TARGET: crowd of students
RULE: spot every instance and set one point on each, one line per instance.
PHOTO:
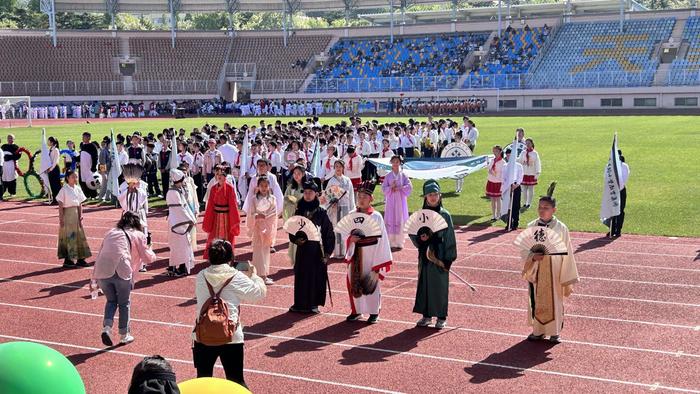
(246, 179)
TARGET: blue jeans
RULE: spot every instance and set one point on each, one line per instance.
(117, 291)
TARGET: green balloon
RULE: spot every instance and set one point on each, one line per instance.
(32, 368)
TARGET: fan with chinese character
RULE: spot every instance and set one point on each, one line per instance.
(425, 219)
(361, 225)
(541, 240)
(302, 227)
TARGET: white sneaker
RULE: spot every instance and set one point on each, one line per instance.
(424, 322)
(126, 338)
(440, 324)
(269, 281)
(106, 338)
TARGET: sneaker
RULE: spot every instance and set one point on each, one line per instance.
(68, 263)
(126, 338)
(106, 338)
(554, 339)
(373, 319)
(424, 322)
(353, 317)
(533, 337)
(272, 249)
(441, 323)
(315, 310)
(269, 281)
(142, 269)
(82, 263)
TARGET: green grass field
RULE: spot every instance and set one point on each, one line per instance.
(663, 189)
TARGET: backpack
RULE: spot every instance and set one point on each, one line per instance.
(214, 328)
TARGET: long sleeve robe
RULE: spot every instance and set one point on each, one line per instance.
(180, 221)
(291, 197)
(432, 293)
(221, 219)
(338, 210)
(375, 258)
(549, 281)
(396, 208)
(310, 271)
(262, 231)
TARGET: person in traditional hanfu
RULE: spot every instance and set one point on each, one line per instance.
(310, 270)
(396, 188)
(263, 167)
(368, 259)
(294, 193)
(436, 253)
(339, 198)
(89, 159)
(133, 197)
(221, 218)
(190, 190)
(72, 243)
(261, 219)
(180, 220)
(551, 278)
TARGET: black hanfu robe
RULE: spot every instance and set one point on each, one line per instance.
(310, 271)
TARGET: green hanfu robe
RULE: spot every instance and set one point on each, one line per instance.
(432, 294)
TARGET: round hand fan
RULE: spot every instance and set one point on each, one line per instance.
(424, 218)
(297, 224)
(263, 206)
(359, 224)
(541, 240)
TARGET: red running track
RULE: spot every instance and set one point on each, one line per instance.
(633, 324)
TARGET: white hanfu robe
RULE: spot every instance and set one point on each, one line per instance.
(548, 286)
(341, 208)
(136, 204)
(180, 220)
(375, 258)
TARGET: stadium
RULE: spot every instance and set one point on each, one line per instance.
(141, 139)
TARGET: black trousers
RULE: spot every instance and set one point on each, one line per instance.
(165, 181)
(619, 220)
(231, 356)
(55, 182)
(152, 181)
(10, 187)
(199, 183)
(514, 209)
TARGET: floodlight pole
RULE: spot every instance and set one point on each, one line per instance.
(112, 7)
(499, 18)
(622, 14)
(174, 8)
(48, 7)
(391, 21)
(284, 24)
(454, 10)
(232, 7)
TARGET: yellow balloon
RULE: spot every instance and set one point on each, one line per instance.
(211, 386)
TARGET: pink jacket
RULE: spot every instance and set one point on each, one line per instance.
(116, 257)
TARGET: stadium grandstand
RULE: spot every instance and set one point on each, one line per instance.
(591, 54)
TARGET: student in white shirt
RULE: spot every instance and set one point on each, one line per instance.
(471, 135)
(512, 185)
(494, 180)
(619, 220)
(530, 161)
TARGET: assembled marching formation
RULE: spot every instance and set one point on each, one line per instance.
(318, 179)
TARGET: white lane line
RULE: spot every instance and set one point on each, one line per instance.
(389, 351)
(519, 289)
(218, 366)
(464, 329)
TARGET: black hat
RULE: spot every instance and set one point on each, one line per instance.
(312, 184)
(366, 187)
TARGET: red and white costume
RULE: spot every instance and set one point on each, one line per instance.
(493, 183)
(375, 258)
(353, 168)
(530, 160)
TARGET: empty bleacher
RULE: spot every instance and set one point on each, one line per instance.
(192, 58)
(686, 71)
(33, 58)
(412, 63)
(509, 55)
(597, 54)
(274, 60)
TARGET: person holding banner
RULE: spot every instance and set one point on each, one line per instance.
(551, 278)
(396, 188)
(493, 182)
(618, 220)
(532, 168)
(510, 189)
(432, 292)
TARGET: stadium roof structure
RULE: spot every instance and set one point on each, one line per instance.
(517, 10)
(164, 6)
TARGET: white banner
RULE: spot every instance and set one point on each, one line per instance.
(436, 168)
(610, 204)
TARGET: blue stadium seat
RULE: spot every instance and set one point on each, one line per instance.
(686, 71)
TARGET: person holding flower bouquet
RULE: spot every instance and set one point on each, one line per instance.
(339, 199)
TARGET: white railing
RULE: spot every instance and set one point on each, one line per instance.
(241, 70)
(683, 77)
(106, 88)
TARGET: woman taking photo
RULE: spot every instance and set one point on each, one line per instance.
(72, 244)
(123, 252)
(231, 286)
